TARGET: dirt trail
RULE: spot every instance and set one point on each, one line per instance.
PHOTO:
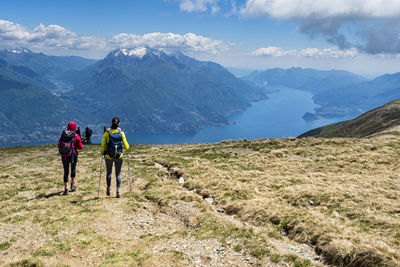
(165, 224)
(126, 231)
(162, 224)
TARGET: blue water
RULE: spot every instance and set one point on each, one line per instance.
(279, 116)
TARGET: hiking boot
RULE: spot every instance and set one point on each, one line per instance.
(108, 191)
(73, 187)
(117, 195)
(65, 191)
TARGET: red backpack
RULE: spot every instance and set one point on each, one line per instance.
(67, 143)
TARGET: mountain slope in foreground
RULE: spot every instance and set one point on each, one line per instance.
(383, 119)
(272, 202)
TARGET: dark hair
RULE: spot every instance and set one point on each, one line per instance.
(115, 123)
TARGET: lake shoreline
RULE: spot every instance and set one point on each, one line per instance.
(281, 115)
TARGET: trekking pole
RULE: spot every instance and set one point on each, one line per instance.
(129, 174)
(101, 165)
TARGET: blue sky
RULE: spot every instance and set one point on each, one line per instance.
(356, 35)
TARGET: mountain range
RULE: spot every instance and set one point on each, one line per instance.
(30, 113)
(151, 92)
(327, 87)
(157, 92)
(339, 93)
(52, 69)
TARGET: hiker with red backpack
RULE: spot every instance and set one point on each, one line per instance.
(111, 147)
(68, 146)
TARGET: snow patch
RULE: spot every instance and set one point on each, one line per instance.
(19, 50)
(139, 52)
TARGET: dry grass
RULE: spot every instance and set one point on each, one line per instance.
(340, 196)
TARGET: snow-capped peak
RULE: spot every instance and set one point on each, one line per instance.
(19, 50)
(138, 52)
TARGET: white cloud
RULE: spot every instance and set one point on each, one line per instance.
(333, 52)
(294, 9)
(41, 36)
(12, 31)
(171, 41)
(272, 51)
(199, 5)
(375, 24)
(56, 37)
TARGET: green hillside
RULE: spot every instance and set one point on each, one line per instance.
(25, 110)
(371, 122)
(272, 202)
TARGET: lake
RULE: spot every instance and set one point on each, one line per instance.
(279, 116)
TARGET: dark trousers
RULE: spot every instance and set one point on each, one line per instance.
(66, 161)
(118, 167)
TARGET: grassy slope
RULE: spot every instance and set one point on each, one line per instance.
(369, 123)
(340, 196)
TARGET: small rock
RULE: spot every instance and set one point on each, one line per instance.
(181, 180)
(158, 166)
(219, 250)
(311, 202)
(291, 247)
(210, 200)
(186, 158)
(220, 210)
(248, 260)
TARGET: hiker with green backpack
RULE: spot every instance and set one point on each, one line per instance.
(111, 147)
(68, 146)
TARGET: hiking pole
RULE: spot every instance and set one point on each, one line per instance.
(101, 165)
(129, 174)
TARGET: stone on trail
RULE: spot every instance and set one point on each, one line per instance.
(210, 200)
(158, 166)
